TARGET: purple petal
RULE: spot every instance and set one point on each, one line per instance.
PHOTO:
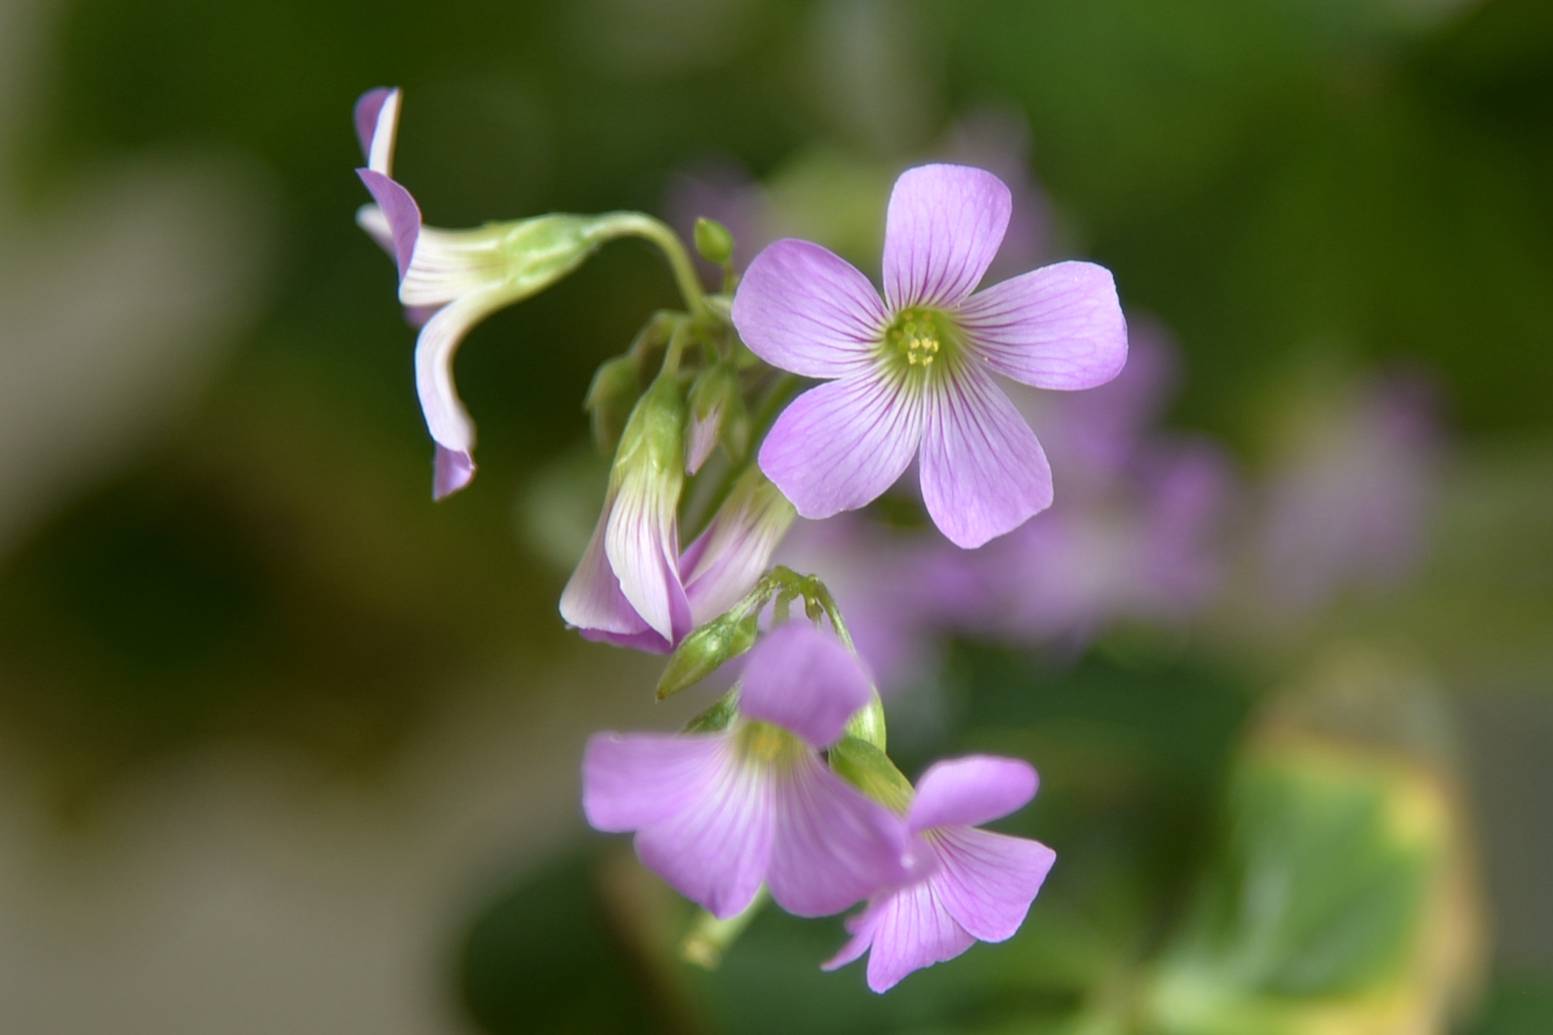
(983, 472)
(642, 543)
(831, 846)
(806, 310)
(701, 438)
(805, 681)
(452, 470)
(987, 881)
(971, 791)
(593, 604)
(726, 559)
(446, 418)
(839, 446)
(944, 226)
(377, 125)
(1060, 326)
(910, 929)
(634, 780)
(401, 211)
(861, 926)
(716, 849)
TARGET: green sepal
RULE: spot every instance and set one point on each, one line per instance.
(870, 770)
(703, 651)
(613, 391)
(718, 716)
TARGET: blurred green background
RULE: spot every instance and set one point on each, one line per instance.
(285, 747)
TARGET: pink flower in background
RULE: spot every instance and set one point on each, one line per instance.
(718, 814)
(910, 375)
(1349, 504)
(982, 886)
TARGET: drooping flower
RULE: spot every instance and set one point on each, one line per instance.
(719, 814)
(450, 280)
(910, 375)
(982, 884)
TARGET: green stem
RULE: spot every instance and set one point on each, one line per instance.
(710, 937)
(637, 224)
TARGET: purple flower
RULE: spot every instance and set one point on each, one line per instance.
(718, 814)
(910, 375)
(983, 883)
(450, 280)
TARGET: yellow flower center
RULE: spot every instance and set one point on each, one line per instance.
(919, 337)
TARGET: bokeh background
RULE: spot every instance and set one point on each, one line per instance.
(285, 747)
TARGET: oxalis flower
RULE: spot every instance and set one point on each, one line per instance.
(910, 375)
(450, 280)
(718, 814)
(978, 885)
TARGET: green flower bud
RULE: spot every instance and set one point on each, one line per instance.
(703, 651)
(713, 241)
(613, 391)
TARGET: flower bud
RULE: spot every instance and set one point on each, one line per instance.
(714, 242)
(714, 396)
(703, 651)
(612, 393)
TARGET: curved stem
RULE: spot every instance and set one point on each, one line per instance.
(638, 224)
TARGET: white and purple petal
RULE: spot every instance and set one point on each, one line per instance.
(804, 309)
(401, 214)
(447, 420)
(839, 446)
(971, 791)
(983, 472)
(377, 126)
(831, 846)
(1058, 327)
(943, 228)
(641, 540)
(593, 604)
(726, 559)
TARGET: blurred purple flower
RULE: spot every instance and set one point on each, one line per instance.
(718, 814)
(723, 190)
(981, 887)
(1349, 506)
(912, 374)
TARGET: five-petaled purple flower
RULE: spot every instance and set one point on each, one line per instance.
(910, 374)
(718, 814)
(981, 886)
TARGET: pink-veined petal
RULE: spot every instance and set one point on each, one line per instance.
(633, 780)
(641, 540)
(913, 930)
(983, 472)
(831, 845)
(971, 791)
(943, 229)
(716, 850)
(593, 604)
(987, 881)
(726, 559)
(806, 310)
(839, 446)
(1059, 327)
(861, 926)
(377, 126)
(805, 681)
